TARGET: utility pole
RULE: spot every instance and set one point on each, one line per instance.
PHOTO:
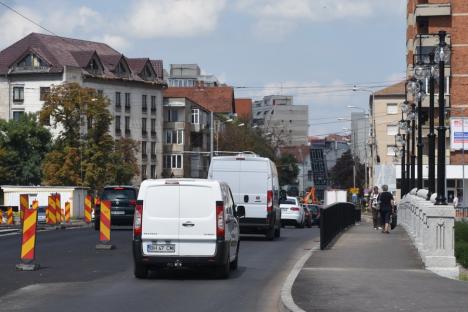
(211, 135)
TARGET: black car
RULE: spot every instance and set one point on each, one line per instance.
(123, 201)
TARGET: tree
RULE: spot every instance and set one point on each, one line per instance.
(287, 169)
(23, 145)
(341, 174)
(84, 152)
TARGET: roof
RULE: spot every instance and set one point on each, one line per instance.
(244, 108)
(300, 152)
(397, 89)
(58, 52)
(213, 99)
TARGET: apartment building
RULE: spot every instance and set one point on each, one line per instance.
(286, 123)
(359, 136)
(385, 117)
(425, 19)
(186, 133)
(34, 64)
(189, 75)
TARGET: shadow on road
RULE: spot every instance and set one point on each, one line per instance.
(192, 274)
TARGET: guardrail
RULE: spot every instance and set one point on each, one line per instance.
(334, 219)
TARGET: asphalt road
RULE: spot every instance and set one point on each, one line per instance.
(76, 277)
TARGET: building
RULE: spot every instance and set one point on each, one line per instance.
(217, 100)
(31, 66)
(319, 167)
(277, 116)
(385, 116)
(335, 146)
(186, 133)
(302, 155)
(425, 19)
(189, 75)
(244, 109)
(359, 136)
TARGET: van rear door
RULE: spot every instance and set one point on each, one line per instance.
(254, 182)
(197, 224)
(161, 220)
(228, 170)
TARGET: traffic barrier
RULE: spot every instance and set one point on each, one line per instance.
(88, 209)
(24, 204)
(51, 207)
(1, 216)
(28, 243)
(104, 226)
(67, 212)
(58, 209)
(10, 216)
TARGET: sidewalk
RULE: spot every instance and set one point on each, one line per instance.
(366, 270)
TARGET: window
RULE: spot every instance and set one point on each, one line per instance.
(171, 115)
(143, 125)
(392, 129)
(31, 61)
(121, 69)
(18, 94)
(153, 148)
(44, 92)
(153, 172)
(391, 150)
(195, 116)
(143, 172)
(392, 108)
(127, 124)
(174, 136)
(117, 123)
(127, 101)
(17, 115)
(153, 125)
(153, 104)
(144, 104)
(118, 103)
(172, 162)
(143, 148)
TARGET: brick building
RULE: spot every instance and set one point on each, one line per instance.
(425, 18)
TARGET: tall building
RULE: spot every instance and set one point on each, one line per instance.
(385, 117)
(425, 19)
(359, 136)
(32, 65)
(286, 123)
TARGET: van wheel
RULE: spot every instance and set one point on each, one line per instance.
(222, 271)
(236, 261)
(278, 232)
(270, 234)
(140, 271)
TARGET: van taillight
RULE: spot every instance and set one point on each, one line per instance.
(269, 201)
(220, 219)
(138, 218)
(295, 208)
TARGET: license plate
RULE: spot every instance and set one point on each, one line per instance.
(118, 212)
(284, 209)
(161, 248)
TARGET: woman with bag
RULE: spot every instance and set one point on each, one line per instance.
(386, 203)
(375, 207)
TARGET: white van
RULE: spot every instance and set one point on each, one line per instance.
(254, 184)
(185, 222)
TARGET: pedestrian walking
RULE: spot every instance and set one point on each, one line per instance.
(386, 203)
(456, 200)
(375, 207)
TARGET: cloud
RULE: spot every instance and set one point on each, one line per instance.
(174, 18)
(115, 41)
(290, 13)
(83, 20)
(14, 27)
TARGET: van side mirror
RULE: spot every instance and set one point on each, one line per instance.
(240, 211)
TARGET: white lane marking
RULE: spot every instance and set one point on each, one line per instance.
(287, 300)
(336, 269)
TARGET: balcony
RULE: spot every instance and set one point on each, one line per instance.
(433, 9)
(153, 157)
(153, 134)
(427, 40)
(153, 110)
(144, 133)
(118, 132)
(144, 157)
(127, 132)
(127, 108)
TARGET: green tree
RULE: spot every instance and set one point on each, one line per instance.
(287, 169)
(341, 175)
(23, 145)
(85, 153)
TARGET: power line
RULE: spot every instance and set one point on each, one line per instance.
(27, 18)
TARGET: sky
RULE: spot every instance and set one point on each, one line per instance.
(315, 50)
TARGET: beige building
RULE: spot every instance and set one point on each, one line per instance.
(385, 108)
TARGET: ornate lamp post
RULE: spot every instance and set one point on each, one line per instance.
(442, 55)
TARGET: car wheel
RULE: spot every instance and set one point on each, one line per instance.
(140, 271)
(270, 234)
(96, 224)
(301, 225)
(222, 271)
(236, 261)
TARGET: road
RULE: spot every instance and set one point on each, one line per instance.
(76, 277)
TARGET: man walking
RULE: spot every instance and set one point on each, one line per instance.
(375, 207)
(386, 203)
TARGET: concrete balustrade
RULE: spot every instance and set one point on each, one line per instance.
(431, 228)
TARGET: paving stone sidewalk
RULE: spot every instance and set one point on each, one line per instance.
(366, 270)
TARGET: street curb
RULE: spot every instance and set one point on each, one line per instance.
(287, 301)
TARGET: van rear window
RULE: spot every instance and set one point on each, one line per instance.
(288, 202)
(113, 194)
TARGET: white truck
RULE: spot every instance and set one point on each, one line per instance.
(335, 196)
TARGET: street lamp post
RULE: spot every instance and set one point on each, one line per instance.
(413, 147)
(441, 55)
(420, 142)
(431, 135)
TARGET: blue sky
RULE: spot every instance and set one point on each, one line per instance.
(312, 49)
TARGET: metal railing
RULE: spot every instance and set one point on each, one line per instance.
(334, 219)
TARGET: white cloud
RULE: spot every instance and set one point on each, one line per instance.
(174, 18)
(117, 42)
(293, 12)
(14, 27)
